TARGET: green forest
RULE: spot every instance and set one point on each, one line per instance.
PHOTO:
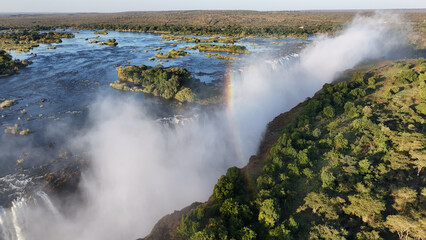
(349, 163)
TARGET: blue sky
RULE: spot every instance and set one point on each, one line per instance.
(157, 5)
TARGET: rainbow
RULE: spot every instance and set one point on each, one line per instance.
(230, 83)
(241, 160)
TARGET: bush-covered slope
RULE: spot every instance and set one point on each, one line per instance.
(348, 163)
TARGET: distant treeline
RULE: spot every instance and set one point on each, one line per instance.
(226, 23)
(301, 31)
(34, 36)
(289, 31)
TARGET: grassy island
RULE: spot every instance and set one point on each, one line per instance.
(101, 33)
(109, 42)
(168, 83)
(172, 54)
(348, 163)
(24, 41)
(221, 48)
(190, 39)
(164, 82)
(9, 66)
(218, 56)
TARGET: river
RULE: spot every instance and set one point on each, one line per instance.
(57, 89)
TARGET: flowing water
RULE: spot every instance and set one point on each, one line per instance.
(58, 87)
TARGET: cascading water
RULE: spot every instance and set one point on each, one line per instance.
(48, 203)
(5, 225)
(13, 220)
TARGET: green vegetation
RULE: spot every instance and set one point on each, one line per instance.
(221, 48)
(109, 42)
(169, 83)
(236, 24)
(218, 56)
(165, 82)
(347, 163)
(25, 40)
(101, 33)
(9, 66)
(206, 23)
(190, 39)
(172, 54)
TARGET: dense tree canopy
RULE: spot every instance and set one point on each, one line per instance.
(349, 165)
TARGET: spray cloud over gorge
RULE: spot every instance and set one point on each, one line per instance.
(142, 170)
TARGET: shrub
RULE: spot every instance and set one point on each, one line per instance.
(407, 76)
(328, 112)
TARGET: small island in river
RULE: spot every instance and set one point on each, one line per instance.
(172, 54)
(24, 41)
(168, 83)
(221, 48)
(8, 66)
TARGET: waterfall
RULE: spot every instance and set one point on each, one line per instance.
(48, 203)
(13, 220)
(4, 225)
(18, 217)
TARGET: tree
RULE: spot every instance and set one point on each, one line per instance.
(327, 178)
(328, 112)
(247, 234)
(350, 109)
(228, 185)
(357, 93)
(364, 206)
(373, 235)
(364, 166)
(326, 232)
(185, 95)
(400, 224)
(407, 76)
(358, 79)
(320, 204)
(268, 212)
(402, 197)
(419, 160)
(340, 142)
